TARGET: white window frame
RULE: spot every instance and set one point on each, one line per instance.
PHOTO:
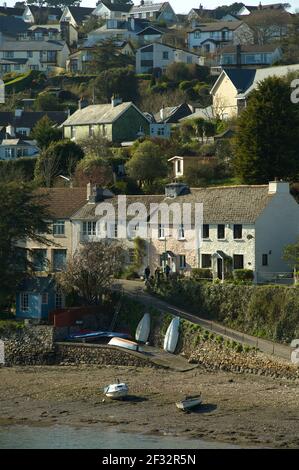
(24, 304)
(89, 228)
(59, 228)
(161, 232)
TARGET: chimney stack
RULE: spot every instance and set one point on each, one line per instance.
(115, 101)
(82, 103)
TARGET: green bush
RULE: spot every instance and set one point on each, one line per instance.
(270, 312)
(144, 76)
(22, 168)
(33, 78)
(243, 275)
(199, 274)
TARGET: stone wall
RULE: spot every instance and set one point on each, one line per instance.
(30, 345)
(70, 353)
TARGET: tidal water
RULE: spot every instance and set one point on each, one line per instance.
(67, 437)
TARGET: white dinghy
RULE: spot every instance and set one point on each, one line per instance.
(189, 402)
(172, 335)
(143, 329)
(124, 343)
(116, 391)
(295, 352)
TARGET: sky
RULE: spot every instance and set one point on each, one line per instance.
(184, 6)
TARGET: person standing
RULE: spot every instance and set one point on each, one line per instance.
(147, 273)
(167, 271)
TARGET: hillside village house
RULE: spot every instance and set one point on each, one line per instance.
(154, 11)
(117, 29)
(41, 15)
(81, 59)
(211, 36)
(249, 55)
(75, 15)
(11, 28)
(20, 123)
(159, 56)
(239, 223)
(163, 121)
(22, 56)
(38, 295)
(112, 10)
(116, 121)
(15, 148)
(234, 85)
(182, 164)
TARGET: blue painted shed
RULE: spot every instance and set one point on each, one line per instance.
(36, 297)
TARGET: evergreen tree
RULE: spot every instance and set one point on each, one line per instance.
(22, 215)
(267, 140)
(44, 132)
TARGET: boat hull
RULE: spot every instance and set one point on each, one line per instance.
(143, 329)
(172, 335)
(124, 343)
(186, 405)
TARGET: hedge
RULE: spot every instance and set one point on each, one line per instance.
(270, 311)
(24, 165)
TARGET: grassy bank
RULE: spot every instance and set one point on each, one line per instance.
(270, 312)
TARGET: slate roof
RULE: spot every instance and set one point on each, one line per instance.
(241, 78)
(30, 118)
(152, 7)
(226, 205)
(217, 26)
(229, 204)
(261, 74)
(97, 114)
(12, 11)
(250, 48)
(173, 114)
(271, 6)
(32, 46)
(88, 211)
(9, 25)
(50, 10)
(117, 7)
(80, 13)
(63, 202)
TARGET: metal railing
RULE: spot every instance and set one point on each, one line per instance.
(266, 346)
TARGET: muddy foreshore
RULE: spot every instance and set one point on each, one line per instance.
(237, 408)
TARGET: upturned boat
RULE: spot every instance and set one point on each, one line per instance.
(189, 402)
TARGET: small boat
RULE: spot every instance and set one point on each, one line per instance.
(116, 391)
(124, 343)
(143, 329)
(172, 335)
(189, 402)
(295, 343)
(88, 335)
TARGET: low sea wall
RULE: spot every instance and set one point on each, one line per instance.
(70, 353)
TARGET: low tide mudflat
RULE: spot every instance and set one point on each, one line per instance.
(237, 408)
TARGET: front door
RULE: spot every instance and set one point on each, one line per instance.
(219, 268)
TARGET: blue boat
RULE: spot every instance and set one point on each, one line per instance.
(93, 335)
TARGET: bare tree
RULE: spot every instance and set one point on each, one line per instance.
(48, 167)
(268, 25)
(96, 146)
(90, 272)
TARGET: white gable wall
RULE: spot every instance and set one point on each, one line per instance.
(276, 227)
